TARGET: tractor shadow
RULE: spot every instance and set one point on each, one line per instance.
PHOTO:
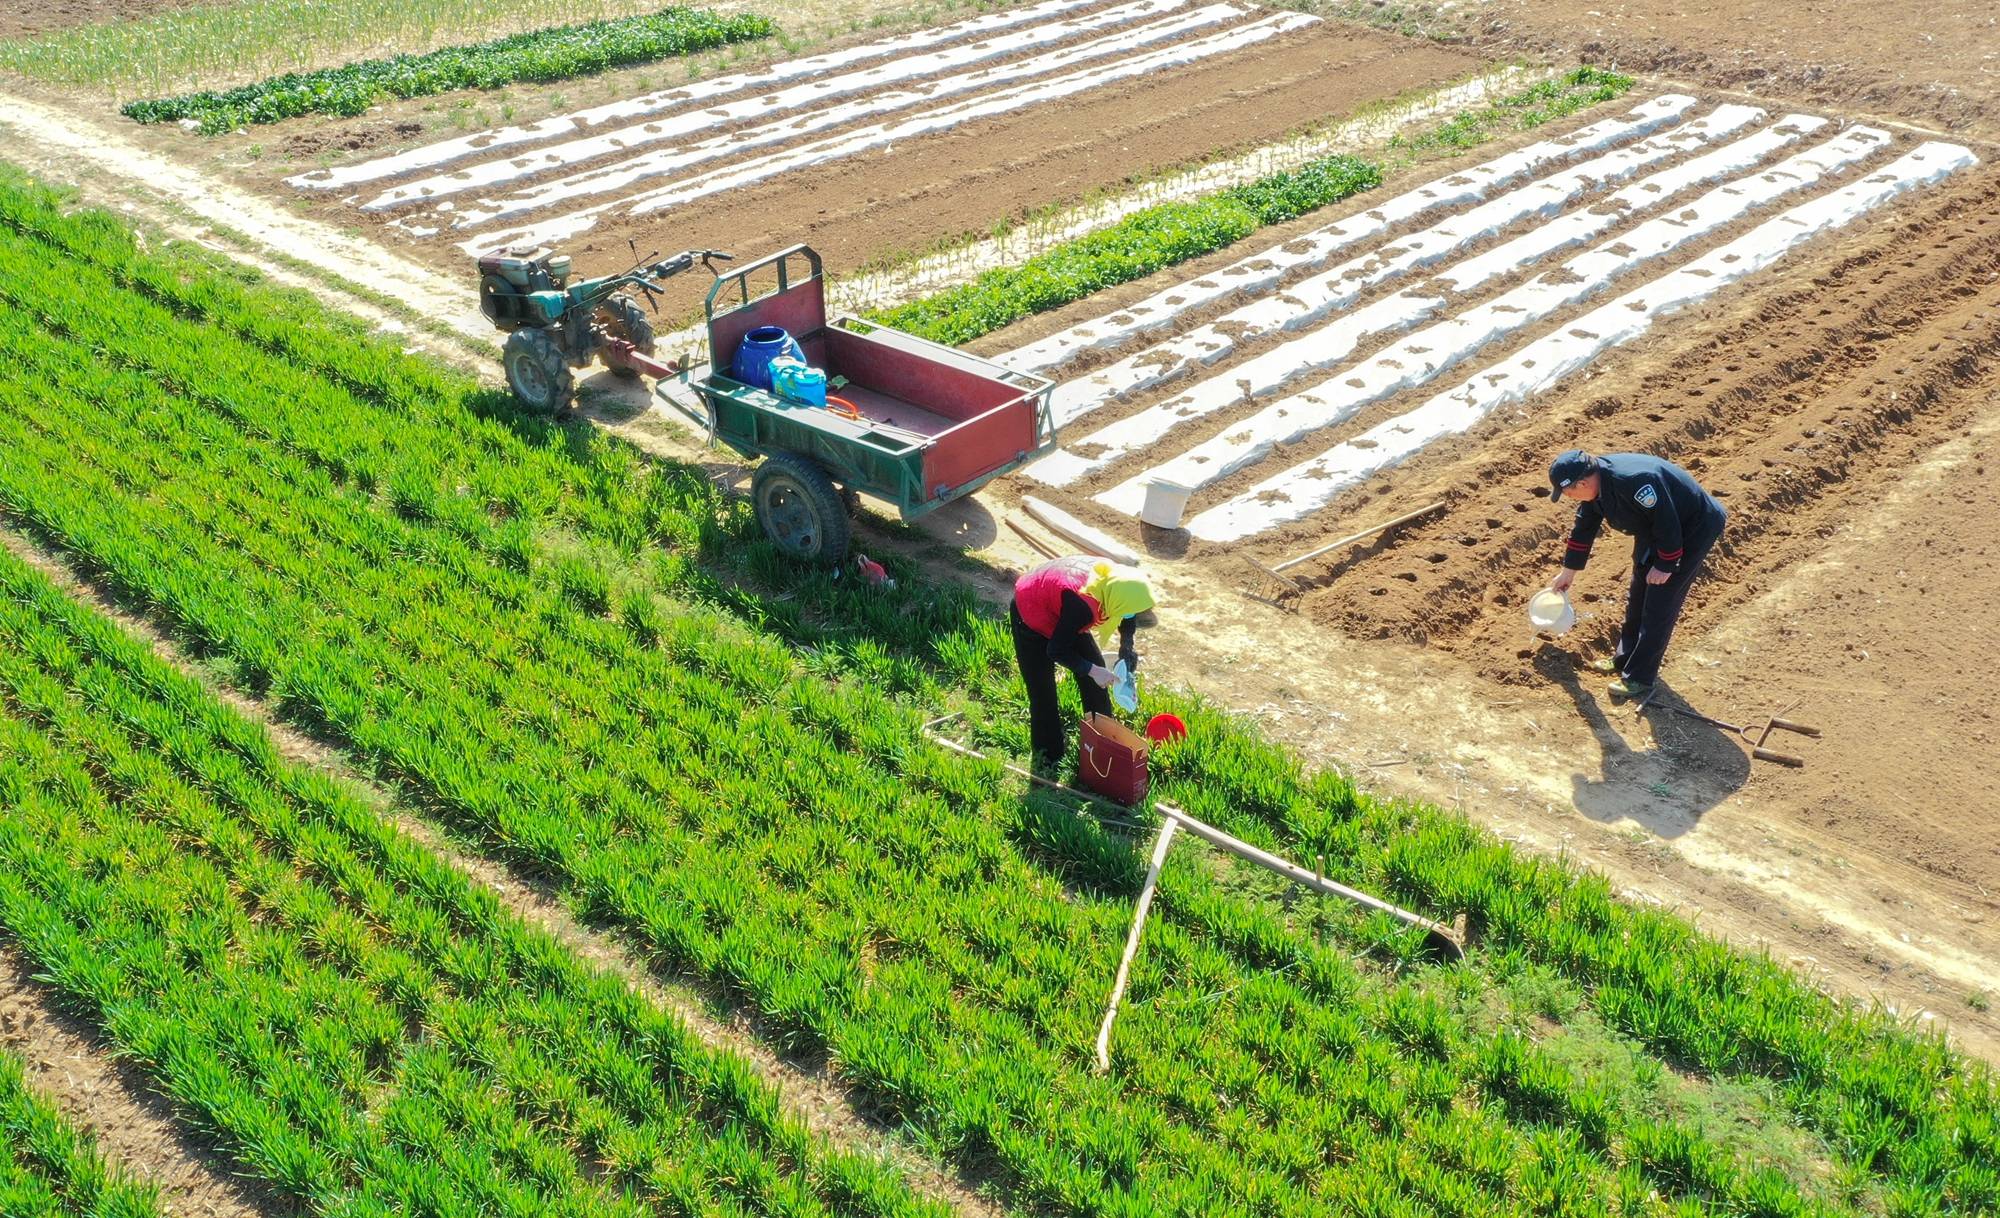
(610, 398)
(963, 523)
(1664, 786)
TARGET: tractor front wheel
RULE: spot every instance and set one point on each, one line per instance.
(800, 509)
(629, 322)
(536, 371)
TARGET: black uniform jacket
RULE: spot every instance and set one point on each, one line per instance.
(1656, 501)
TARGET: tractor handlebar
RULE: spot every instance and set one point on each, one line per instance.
(647, 278)
(685, 260)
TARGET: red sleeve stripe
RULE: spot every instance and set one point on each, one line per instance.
(1578, 545)
(1673, 555)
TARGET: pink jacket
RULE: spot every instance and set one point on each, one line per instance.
(1039, 591)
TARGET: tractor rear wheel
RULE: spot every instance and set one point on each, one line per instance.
(536, 371)
(629, 321)
(800, 509)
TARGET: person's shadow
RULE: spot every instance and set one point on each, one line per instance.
(1664, 789)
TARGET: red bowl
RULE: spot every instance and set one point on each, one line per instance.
(1164, 727)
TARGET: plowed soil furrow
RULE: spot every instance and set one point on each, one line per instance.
(1423, 283)
(936, 187)
(1937, 64)
(1858, 362)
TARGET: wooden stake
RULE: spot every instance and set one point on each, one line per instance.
(1118, 984)
(1039, 546)
(1438, 935)
(1350, 539)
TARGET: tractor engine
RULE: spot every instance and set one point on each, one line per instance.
(523, 287)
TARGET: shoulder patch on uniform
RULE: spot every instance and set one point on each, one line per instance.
(1646, 496)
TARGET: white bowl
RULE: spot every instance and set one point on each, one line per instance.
(1550, 610)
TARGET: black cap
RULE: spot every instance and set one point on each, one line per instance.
(1570, 468)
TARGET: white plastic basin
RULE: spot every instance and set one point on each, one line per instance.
(1551, 611)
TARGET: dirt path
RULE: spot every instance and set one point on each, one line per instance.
(135, 1127)
(66, 148)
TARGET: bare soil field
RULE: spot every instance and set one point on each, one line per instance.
(26, 18)
(1936, 64)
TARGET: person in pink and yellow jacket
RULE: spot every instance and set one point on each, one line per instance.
(1062, 611)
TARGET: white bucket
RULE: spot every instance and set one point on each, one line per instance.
(1165, 501)
(1550, 610)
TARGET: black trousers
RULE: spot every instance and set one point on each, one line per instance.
(1652, 609)
(1038, 673)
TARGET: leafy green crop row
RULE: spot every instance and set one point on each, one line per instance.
(1524, 111)
(356, 1023)
(1171, 233)
(540, 55)
(49, 1170)
(491, 612)
(1133, 248)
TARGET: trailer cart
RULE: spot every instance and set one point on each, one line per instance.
(912, 422)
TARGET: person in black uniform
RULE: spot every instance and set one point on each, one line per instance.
(1673, 523)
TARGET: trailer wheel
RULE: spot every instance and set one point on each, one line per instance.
(536, 370)
(800, 509)
(627, 320)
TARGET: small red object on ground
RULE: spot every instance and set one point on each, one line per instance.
(1164, 727)
(873, 571)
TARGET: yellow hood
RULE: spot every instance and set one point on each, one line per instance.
(1120, 592)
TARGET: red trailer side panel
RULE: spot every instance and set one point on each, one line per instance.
(977, 448)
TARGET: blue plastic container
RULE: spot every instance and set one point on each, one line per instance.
(752, 364)
(798, 381)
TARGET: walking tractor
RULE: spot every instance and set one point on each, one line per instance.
(834, 407)
(553, 325)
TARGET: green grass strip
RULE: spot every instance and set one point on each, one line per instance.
(1133, 248)
(558, 53)
(351, 1020)
(1171, 233)
(49, 1169)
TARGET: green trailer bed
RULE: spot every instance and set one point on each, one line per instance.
(928, 423)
